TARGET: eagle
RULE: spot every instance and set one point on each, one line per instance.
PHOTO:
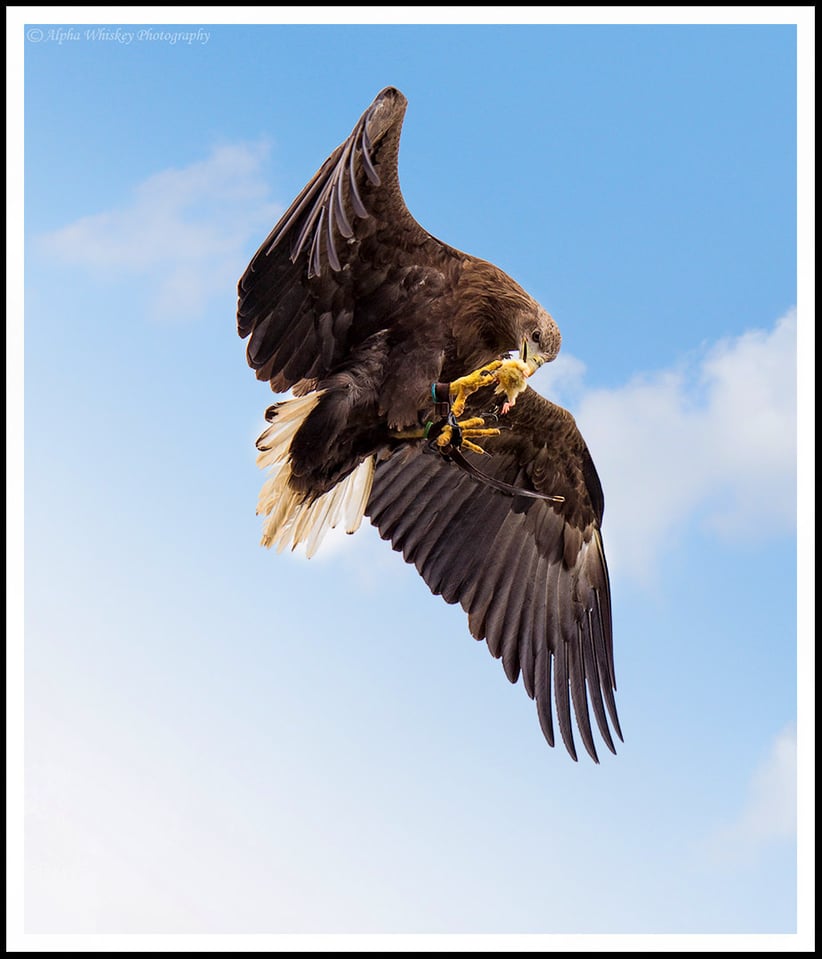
(407, 405)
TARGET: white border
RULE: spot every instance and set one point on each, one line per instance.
(17, 939)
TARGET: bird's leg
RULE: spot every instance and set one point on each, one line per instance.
(460, 433)
(463, 387)
(451, 432)
(508, 375)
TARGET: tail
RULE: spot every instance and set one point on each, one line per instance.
(292, 517)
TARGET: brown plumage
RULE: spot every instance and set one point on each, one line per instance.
(355, 308)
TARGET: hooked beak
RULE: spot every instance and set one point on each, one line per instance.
(533, 360)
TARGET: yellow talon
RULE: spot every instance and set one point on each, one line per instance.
(468, 445)
(509, 376)
(444, 438)
(462, 388)
(469, 429)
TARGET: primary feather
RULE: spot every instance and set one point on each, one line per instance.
(358, 310)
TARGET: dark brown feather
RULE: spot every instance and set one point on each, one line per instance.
(506, 559)
(337, 252)
(351, 298)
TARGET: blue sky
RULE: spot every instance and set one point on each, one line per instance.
(219, 739)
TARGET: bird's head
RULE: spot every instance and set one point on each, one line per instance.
(540, 339)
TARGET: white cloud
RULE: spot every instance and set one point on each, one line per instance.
(185, 231)
(563, 376)
(712, 441)
(768, 812)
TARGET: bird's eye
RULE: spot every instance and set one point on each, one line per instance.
(535, 336)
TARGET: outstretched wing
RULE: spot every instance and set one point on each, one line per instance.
(530, 574)
(338, 266)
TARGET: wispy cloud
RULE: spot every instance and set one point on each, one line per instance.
(768, 811)
(711, 441)
(186, 231)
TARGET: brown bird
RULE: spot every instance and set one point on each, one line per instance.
(408, 408)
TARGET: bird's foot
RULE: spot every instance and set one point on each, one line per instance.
(451, 433)
(461, 433)
(462, 388)
(509, 376)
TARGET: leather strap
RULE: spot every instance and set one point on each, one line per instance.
(453, 454)
(441, 395)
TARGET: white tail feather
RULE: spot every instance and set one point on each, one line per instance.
(289, 520)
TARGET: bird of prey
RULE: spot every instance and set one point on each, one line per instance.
(408, 407)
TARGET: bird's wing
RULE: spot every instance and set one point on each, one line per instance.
(335, 269)
(530, 574)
